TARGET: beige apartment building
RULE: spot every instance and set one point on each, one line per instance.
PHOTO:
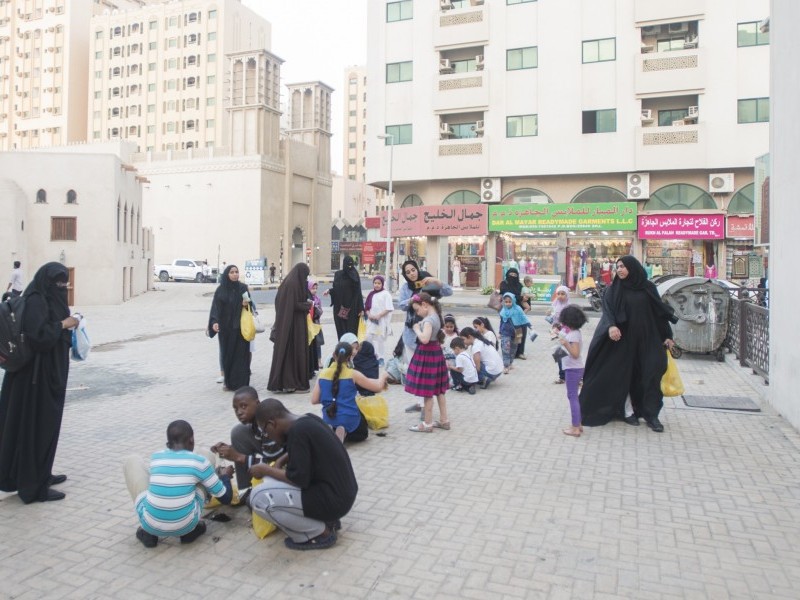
(157, 74)
(355, 124)
(43, 76)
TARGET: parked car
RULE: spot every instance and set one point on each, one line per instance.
(183, 269)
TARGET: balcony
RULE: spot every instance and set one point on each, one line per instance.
(456, 158)
(469, 89)
(677, 146)
(660, 72)
(464, 23)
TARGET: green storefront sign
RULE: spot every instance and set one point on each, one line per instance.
(601, 216)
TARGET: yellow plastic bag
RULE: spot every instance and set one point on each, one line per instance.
(247, 324)
(261, 527)
(671, 384)
(312, 328)
(362, 330)
(375, 410)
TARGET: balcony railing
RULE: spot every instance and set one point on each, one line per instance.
(461, 147)
(748, 332)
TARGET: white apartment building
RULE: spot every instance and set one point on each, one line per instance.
(43, 77)
(648, 113)
(157, 74)
(354, 151)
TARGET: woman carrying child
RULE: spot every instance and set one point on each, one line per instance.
(513, 324)
(427, 371)
(378, 312)
(572, 319)
(336, 391)
(483, 326)
(560, 302)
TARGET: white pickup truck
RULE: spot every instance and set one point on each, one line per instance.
(183, 269)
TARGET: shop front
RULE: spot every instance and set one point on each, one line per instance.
(563, 242)
(685, 244)
(744, 262)
(441, 237)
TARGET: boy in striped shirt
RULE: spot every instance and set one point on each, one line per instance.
(169, 497)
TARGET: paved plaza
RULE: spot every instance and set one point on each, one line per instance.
(502, 506)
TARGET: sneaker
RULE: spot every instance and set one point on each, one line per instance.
(221, 379)
(485, 383)
(321, 542)
(148, 539)
(521, 357)
(194, 533)
(472, 389)
(414, 408)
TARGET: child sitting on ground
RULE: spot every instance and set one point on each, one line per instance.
(249, 446)
(464, 373)
(169, 496)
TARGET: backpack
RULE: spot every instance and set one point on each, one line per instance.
(14, 352)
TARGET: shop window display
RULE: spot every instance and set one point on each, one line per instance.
(594, 256)
(531, 254)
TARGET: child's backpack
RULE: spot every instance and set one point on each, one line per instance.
(14, 352)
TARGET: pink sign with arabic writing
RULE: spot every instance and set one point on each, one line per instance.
(685, 226)
(455, 219)
(740, 227)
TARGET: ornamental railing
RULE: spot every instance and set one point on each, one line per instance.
(748, 330)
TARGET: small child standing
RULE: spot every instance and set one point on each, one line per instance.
(513, 324)
(464, 373)
(572, 319)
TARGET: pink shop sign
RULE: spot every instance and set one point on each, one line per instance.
(682, 227)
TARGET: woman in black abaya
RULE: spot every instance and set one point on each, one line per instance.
(348, 303)
(627, 353)
(512, 284)
(32, 399)
(291, 369)
(225, 320)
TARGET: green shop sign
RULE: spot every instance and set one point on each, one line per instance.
(600, 216)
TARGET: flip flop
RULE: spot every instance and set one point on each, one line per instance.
(571, 433)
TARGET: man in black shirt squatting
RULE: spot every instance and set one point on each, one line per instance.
(318, 487)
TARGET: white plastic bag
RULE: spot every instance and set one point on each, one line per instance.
(81, 346)
(261, 326)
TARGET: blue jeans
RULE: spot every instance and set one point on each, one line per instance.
(483, 374)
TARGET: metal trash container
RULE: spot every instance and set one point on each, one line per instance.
(701, 306)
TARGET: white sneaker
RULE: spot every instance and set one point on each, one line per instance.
(221, 379)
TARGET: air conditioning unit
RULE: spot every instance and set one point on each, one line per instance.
(694, 111)
(490, 190)
(638, 186)
(647, 115)
(444, 66)
(479, 62)
(444, 129)
(478, 127)
(720, 183)
(650, 29)
(678, 27)
(445, 4)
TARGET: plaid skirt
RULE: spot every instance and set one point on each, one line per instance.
(427, 371)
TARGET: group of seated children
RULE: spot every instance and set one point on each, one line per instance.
(471, 354)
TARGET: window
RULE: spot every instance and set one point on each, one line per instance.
(212, 36)
(212, 14)
(352, 113)
(211, 101)
(209, 123)
(172, 84)
(680, 196)
(749, 34)
(676, 43)
(464, 66)
(396, 72)
(742, 202)
(351, 145)
(754, 110)
(152, 46)
(598, 193)
(151, 129)
(522, 58)
(172, 63)
(151, 108)
(399, 11)
(351, 129)
(522, 126)
(212, 58)
(462, 197)
(63, 228)
(151, 87)
(211, 79)
(98, 95)
(41, 197)
(462, 130)
(98, 35)
(518, 1)
(353, 97)
(401, 133)
(599, 121)
(98, 74)
(411, 200)
(151, 67)
(172, 43)
(351, 161)
(98, 54)
(72, 197)
(172, 22)
(599, 50)
(666, 117)
(153, 25)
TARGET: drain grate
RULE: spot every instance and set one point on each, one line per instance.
(722, 402)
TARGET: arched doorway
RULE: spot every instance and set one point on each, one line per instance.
(298, 246)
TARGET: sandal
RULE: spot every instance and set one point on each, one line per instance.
(559, 381)
(422, 427)
(571, 432)
(442, 425)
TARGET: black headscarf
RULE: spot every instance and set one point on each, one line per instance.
(635, 281)
(44, 283)
(349, 269)
(366, 363)
(413, 285)
(293, 290)
(226, 308)
(512, 282)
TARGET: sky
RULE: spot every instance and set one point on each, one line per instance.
(318, 39)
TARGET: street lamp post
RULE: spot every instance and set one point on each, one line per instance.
(389, 137)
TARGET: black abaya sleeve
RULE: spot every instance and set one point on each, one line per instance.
(42, 333)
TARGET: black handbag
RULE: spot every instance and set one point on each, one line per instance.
(559, 353)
